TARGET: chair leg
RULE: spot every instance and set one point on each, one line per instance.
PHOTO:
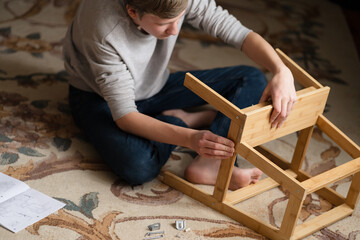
(353, 195)
(226, 167)
(292, 212)
(301, 147)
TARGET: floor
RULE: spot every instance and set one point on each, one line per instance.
(352, 14)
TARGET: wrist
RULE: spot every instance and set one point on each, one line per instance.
(280, 68)
(188, 136)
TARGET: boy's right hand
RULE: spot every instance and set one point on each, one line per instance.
(210, 145)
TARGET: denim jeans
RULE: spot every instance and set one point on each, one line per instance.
(137, 160)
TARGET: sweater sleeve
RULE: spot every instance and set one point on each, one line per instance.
(112, 76)
(214, 20)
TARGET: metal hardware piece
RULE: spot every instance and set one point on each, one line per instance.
(154, 237)
(153, 233)
(155, 226)
(180, 224)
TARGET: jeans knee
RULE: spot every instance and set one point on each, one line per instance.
(137, 171)
(257, 76)
(255, 81)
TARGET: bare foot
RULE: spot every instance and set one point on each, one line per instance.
(193, 119)
(205, 170)
(244, 177)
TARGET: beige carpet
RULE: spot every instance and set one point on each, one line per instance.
(40, 145)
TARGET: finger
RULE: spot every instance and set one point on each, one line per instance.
(291, 105)
(284, 112)
(279, 113)
(275, 113)
(218, 154)
(212, 146)
(221, 140)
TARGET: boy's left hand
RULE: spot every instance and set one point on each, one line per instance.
(281, 91)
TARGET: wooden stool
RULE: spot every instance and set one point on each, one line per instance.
(249, 129)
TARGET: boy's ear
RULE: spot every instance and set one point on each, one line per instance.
(131, 11)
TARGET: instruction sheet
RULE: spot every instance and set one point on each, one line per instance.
(22, 206)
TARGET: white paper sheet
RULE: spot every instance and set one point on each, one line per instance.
(10, 187)
(20, 210)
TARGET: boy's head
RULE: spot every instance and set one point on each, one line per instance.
(159, 18)
(162, 8)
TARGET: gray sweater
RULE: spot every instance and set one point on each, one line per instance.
(105, 53)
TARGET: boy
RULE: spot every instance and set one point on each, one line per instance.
(124, 98)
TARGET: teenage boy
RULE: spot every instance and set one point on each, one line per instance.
(129, 105)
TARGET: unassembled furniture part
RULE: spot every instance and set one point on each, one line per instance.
(180, 224)
(154, 226)
(249, 129)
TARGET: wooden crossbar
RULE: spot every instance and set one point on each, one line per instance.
(322, 221)
(254, 189)
(210, 96)
(338, 137)
(326, 178)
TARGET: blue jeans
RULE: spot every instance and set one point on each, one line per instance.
(137, 160)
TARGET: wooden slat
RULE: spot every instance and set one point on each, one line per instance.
(353, 195)
(275, 158)
(263, 104)
(322, 221)
(291, 215)
(338, 137)
(227, 209)
(319, 181)
(327, 193)
(254, 189)
(271, 169)
(301, 148)
(299, 74)
(216, 100)
(309, 106)
(188, 188)
(251, 222)
(226, 166)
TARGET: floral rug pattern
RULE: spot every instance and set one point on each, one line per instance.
(40, 144)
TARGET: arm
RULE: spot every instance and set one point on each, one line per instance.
(219, 23)
(204, 143)
(281, 87)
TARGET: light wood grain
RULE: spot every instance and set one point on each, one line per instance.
(257, 129)
(326, 178)
(322, 221)
(210, 96)
(249, 128)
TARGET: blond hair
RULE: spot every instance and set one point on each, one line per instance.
(161, 8)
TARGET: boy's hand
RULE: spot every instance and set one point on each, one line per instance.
(282, 92)
(208, 144)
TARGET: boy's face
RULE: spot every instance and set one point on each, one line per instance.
(158, 27)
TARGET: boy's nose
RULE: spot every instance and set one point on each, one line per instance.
(173, 29)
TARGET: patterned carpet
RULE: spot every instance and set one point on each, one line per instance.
(40, 144)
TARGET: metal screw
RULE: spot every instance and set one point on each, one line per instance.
(154, 237)
(153, 233)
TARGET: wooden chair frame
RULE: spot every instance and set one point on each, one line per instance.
(249, 129)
